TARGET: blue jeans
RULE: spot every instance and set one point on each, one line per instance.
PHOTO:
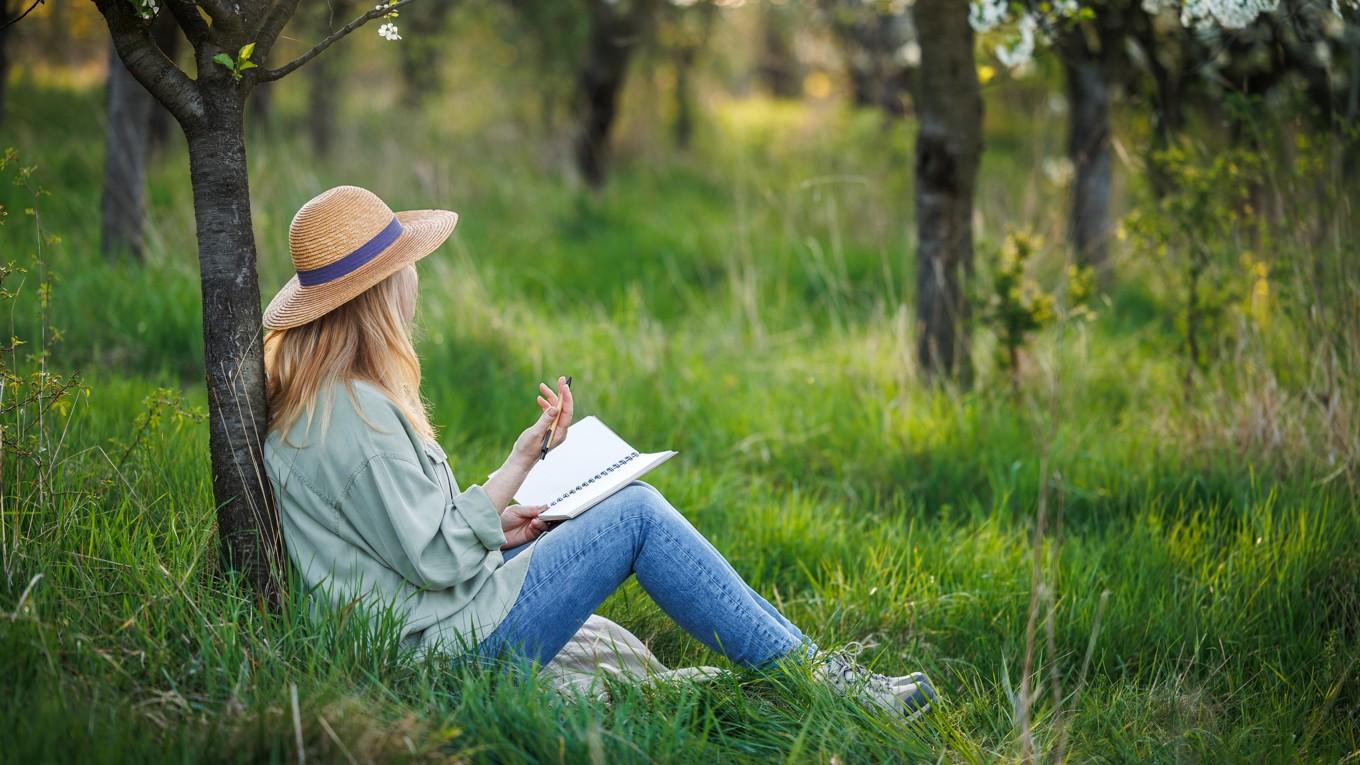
(577, 564)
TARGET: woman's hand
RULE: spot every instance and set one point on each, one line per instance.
(522, 525)
(556, 406)
(561, 400)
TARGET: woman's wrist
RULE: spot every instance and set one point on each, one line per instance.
(503, 484)
(519, 464)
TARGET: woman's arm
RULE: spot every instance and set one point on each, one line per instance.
(558, 405)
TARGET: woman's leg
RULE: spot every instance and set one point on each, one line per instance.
(636, 532)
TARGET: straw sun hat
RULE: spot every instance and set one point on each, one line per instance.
(344, 241)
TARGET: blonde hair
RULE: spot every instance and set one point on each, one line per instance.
(367, 338)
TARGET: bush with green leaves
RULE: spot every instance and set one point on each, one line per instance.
(1014, 305)
(1200, 228)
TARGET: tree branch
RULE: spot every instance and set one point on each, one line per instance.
(21, 16)
(272, 25)
(187, 17)
(148, 64)
(269, 75)
(217, 10)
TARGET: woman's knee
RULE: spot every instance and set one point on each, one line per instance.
(645, 497)
(637, 502)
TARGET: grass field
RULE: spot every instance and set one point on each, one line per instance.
(1193, 595)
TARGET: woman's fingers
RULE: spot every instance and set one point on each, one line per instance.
(528, 511)
(566, 400)
(548, 393)
(543, 403)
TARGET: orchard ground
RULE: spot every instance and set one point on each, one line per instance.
(1177, 570)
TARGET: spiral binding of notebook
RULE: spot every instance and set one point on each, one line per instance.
(598, 476)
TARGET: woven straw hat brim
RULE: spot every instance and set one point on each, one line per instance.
(422, 233)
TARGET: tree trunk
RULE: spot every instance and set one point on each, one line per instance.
(246, 517)
(614, 35)
(683, 129)
(778, 66)
(948, 149)
(5, 15)
(420, 54)
(260, 106)
(123, 205)
(323, 95)
(1088, 146)
(323, 98)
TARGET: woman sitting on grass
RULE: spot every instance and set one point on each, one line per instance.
(370, 508)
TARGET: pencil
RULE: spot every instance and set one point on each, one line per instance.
(552, 429)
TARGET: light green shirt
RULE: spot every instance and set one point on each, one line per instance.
(370, 510)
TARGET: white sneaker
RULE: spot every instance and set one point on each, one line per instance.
(908, 695)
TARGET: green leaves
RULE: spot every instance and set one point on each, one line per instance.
(239, 65)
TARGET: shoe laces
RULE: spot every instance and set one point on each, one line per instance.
(847, 675)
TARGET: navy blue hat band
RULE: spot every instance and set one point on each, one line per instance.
(351, 262)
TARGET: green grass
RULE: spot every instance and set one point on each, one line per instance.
(749, 306)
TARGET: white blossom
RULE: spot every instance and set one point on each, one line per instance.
(910, 54)
(388, 32)
(1058, 171)
(1021, 50)
(1229, 14)
(987, 14)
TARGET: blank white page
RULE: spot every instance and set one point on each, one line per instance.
(589, 448)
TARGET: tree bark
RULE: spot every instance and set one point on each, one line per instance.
(1088, 146)
(948, 149)
(126, 141)
(232, 334)
(614, 35)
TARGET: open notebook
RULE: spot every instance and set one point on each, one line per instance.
(583, 470)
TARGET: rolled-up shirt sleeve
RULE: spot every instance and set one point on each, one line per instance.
(481, 515)
(418, 532)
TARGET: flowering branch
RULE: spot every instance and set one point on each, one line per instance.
(269, 75)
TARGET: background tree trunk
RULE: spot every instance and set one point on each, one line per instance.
(167, 37)
(683, 129)
(126, 142)
(6, 13)
(948, 149)
(614, 35)
(778, 66)
(419, 55)
(232, 334)
(692, 28)
(1088, 146)
(260, 106)
(325, 73)
(323, 96)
